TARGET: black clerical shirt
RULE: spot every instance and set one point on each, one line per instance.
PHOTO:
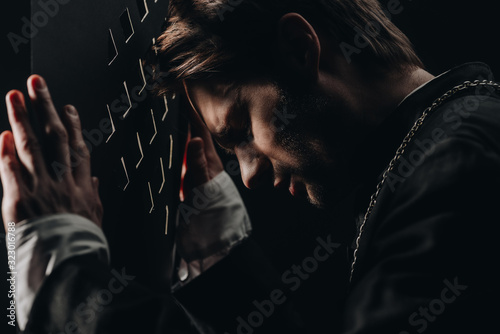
(427, 255)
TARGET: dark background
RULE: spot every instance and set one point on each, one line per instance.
(445, 33)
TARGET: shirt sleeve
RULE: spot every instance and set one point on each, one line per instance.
(211, 222)
(44, 243)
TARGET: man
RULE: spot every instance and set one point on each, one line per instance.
(326, 98)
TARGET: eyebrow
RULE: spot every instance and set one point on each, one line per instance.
(222, 133)
(227, 136)
(225, 129)
(221, 138)
(233, 85)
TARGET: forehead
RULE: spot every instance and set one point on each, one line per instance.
(220, 103)
(213, 100)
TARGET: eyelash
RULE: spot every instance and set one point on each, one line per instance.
(243, 134)
(227, 150)
(234, 139)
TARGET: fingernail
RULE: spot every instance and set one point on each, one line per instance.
(71, 110)
(15, 98)
(39, 83)
(6, 148)
(10, 139)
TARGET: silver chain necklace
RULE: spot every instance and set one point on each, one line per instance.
(402, 148)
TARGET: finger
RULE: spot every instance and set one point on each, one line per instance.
(199, 129)
(95, 185)
(28, 147)
(198, 126)
(10, 174)
(99, 209)
(52, 127)
(10, 169)
(79, 152)
(197, 167)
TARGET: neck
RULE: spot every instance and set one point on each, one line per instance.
(376, 98)
(366, 100)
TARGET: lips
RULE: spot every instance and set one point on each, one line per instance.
(297, 189)
(281, 183)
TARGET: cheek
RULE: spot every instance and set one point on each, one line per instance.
(265, 125)
(263, 137)
(262, 102)
(265, 142)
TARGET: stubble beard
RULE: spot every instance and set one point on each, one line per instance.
(314, 138)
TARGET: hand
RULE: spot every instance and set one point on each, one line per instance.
(203, 162)
(31, 188)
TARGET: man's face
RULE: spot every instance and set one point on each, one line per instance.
(289, 139)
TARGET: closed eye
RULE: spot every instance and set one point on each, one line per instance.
(229, 138)
(238, 128)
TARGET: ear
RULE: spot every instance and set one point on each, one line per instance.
(299, 48)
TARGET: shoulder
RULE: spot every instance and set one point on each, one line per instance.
(459, 138)
(435, 221)
(441, 194)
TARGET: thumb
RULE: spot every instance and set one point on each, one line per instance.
(196, 164)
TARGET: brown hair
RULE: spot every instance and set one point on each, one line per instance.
(204, 38)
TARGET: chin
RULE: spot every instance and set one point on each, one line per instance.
(315, 196)
(323, 198)
(316, 203)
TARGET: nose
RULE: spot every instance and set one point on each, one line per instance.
(255, 167)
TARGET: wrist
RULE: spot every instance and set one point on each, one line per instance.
(212, 219)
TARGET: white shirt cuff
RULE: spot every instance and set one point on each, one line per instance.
(44, 243)
(211, 221)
